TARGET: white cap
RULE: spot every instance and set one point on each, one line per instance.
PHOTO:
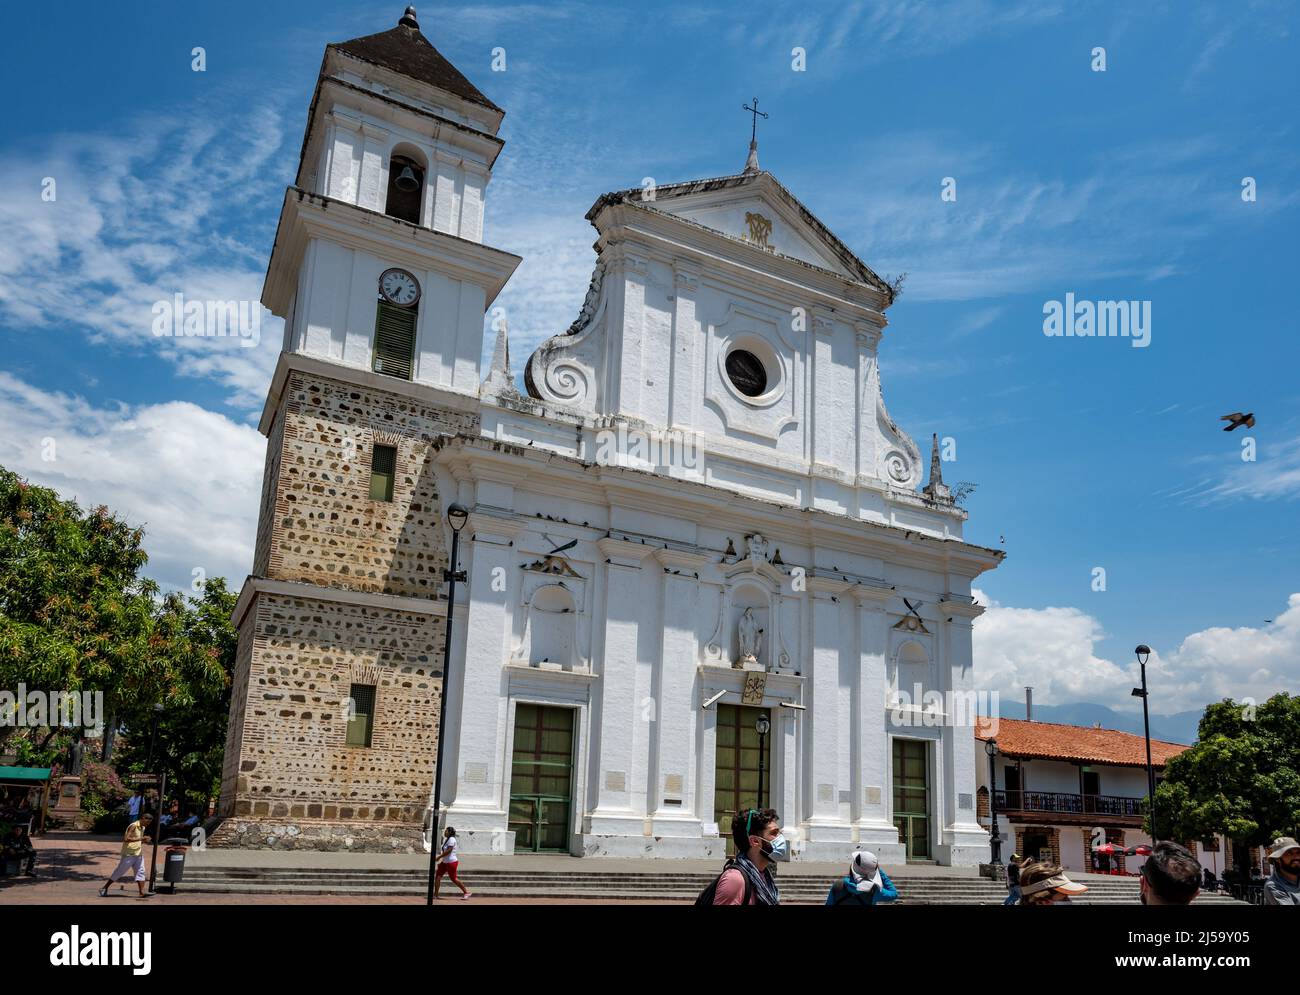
(865, 867)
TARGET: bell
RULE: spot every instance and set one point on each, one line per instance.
(406, 180)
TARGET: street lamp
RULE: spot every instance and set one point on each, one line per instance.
(162, 792)
(995, 842)
(153, 735)
(457, 516)
(1143, 652)
(762, 726)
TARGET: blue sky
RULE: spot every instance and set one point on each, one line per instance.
(1123, 184)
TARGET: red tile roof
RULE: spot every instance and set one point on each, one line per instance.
(1050, 741)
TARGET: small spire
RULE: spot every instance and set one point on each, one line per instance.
(408, 19)
(499, 376)
(751, 163)
(936, 489)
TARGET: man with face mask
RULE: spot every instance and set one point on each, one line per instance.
(747, 879)
(1283, 885)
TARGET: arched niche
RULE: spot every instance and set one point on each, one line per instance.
(550, 629)
(910, 668)
(407, 165)
(749, 595)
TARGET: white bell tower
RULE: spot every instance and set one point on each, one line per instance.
(397, 156)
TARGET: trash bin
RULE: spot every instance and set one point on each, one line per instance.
(174, 861)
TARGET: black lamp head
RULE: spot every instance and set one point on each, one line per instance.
(457, 516)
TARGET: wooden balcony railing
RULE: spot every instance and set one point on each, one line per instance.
(1068, 803)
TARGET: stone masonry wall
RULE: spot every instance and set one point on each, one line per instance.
(289, 778)
(294, 760)
(235, 729)
(326, 529)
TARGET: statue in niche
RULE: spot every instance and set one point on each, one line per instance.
(751, 640)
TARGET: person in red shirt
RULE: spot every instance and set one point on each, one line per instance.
(747, 879)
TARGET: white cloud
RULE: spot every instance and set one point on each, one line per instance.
(1016, 230)
(1053, 650)
(135, 220)
(190, 477)
(1244, 662)
(1048, 649)
(1273, 475)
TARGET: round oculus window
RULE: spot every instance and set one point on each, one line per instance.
(747, 372)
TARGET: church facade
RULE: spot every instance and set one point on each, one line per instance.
(701, 572)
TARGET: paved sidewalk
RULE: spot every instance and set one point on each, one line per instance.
(71, 867)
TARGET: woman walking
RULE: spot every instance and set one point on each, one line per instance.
(449, 864)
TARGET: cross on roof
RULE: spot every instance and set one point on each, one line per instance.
(753, 132)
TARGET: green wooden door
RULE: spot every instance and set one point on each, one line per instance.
(912, 796)
(736, 776)
(541, 779)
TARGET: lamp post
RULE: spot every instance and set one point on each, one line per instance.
(153, 736)
(162, 790)
(995, 841)
(762, 726)
(457, 516)
(1143, 652)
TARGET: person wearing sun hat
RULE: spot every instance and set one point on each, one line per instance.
(865, 884)
(1047, 884)
(1013, 880)
(1283, 885)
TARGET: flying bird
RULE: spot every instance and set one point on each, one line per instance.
(1238, 419)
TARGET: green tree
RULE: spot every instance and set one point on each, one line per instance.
(197, 638)
(76, 615)
(1242, 778)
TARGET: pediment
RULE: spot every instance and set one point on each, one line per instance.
(755, 208)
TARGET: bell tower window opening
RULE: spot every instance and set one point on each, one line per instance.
(405, 189)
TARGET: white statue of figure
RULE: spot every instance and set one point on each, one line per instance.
(751, 637)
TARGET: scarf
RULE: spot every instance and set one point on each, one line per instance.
(765, 890)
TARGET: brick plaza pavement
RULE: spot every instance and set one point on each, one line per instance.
(71, 867)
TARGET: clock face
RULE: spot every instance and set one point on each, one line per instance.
(399, 287)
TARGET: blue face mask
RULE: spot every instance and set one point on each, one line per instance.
(773, 849)
(777, 849)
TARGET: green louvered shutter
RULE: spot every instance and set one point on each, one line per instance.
(394, 340)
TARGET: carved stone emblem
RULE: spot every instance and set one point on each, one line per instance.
(760, 228)
(755, 686)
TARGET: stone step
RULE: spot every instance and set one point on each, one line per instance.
(624, 886)
(667, 895)
(639, 880)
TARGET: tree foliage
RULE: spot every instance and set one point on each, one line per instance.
(76, 615)
(1242, 778)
